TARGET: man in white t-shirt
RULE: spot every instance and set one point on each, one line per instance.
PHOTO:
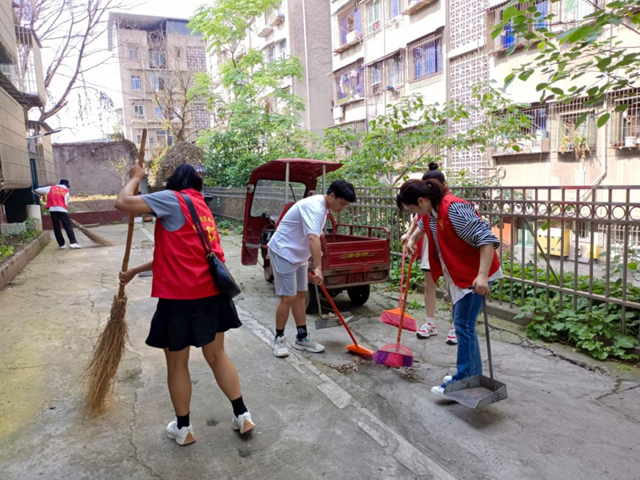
(297, 239)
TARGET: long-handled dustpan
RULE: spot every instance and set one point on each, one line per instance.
(478, 391)
(329, 320)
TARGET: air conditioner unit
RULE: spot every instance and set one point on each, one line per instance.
(338, 113)
(353, 36)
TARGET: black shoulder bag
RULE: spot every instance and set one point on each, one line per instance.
(219, 271)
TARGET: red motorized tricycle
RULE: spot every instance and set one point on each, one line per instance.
(350, 261)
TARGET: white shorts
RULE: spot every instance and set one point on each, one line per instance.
(289, 278)
(425, 255)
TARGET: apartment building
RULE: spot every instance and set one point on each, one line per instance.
(302, 29)
(387, 49)
(26, 155)
(158, 58)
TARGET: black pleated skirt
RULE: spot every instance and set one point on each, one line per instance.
(178, 324)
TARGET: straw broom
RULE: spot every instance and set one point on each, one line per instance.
(109, 350)
(92, 236)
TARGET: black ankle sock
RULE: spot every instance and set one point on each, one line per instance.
(238, 407)
(302, 332)
(183, 421)
(279, 333)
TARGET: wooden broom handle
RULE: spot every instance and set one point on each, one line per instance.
(132, 216)
(406, 295)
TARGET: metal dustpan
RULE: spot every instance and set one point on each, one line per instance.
(478, 391)
(327, 322)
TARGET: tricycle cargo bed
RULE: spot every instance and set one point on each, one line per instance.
(355, 252)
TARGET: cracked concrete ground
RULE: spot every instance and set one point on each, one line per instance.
(318, 416)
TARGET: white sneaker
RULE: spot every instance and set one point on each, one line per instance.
(243, 423)
(280, 349)
(62, 247)
(451, 337)
(439, 391)
(447, 378)
(183, 436)
(309, 345)
(427, 330)
(75, 246)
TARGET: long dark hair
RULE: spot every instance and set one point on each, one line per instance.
(434, 173)
(412, 190)
(183, 178)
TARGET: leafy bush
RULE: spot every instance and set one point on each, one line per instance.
(5, 252)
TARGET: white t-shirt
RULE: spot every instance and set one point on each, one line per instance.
(291, 239)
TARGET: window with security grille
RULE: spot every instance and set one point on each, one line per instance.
(350, 26)
(425, 58)
(349, 85)
(375, 78)
(394, 69)
(395, 8)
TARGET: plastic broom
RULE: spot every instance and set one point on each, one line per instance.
(392, 317)
(396, 354)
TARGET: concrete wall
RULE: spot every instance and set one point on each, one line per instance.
(89, 167)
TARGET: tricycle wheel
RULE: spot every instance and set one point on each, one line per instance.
(359, 295)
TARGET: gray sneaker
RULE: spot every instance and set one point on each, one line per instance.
(308, 344)
(280, 349)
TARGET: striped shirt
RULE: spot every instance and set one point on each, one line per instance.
(470, 228)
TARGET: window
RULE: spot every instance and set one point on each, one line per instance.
(395, 71)
(178, 52)
(135, 82)
(373, 16)
(157, 82)
(351, 27)
(282, 49)
(426, 58)
(157, 58)
(138, 111)
(543, 11)
(157, 112)
(138, 139)
(163, 138)
(625, 125)
(395, 8)
(133, 53)
(375, 78)
(349, 85)
(574, 11)
(271, 53)
(581, 139)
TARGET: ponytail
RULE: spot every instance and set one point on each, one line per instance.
(412, 190)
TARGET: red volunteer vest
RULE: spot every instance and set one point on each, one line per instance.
(55, 197)
(180, 267)
(462, 259)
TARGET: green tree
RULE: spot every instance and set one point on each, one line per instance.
(255, 119)
(589, 59)
(412, 133)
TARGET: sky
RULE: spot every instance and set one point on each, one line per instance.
(106, 78)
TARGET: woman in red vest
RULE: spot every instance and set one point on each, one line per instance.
(191, 310)
(462, 249)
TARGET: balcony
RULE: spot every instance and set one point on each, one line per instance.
(29, 69)
(276, 19)
(416, 5)
(352, 38)
(265, 31)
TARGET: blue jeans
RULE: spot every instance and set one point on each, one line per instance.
(465, 316)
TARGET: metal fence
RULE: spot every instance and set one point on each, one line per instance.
(578, 245)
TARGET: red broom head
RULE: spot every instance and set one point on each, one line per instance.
(394, 355)
(392, 317)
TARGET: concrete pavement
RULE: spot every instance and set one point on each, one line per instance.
(318, 416)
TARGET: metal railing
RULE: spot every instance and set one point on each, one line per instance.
(579, 245)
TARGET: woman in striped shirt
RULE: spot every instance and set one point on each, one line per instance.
(462, 249)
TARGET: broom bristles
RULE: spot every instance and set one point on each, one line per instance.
(392, 317)
(394, 355)
(107, 354)
(92, 236)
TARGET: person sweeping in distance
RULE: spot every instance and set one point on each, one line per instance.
(429, 328)
(58, 206)
(191, 310)
(296, 239)
(462, 249)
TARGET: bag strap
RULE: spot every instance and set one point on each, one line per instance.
(196, 222)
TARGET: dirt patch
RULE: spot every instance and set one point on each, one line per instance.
(93, 203)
